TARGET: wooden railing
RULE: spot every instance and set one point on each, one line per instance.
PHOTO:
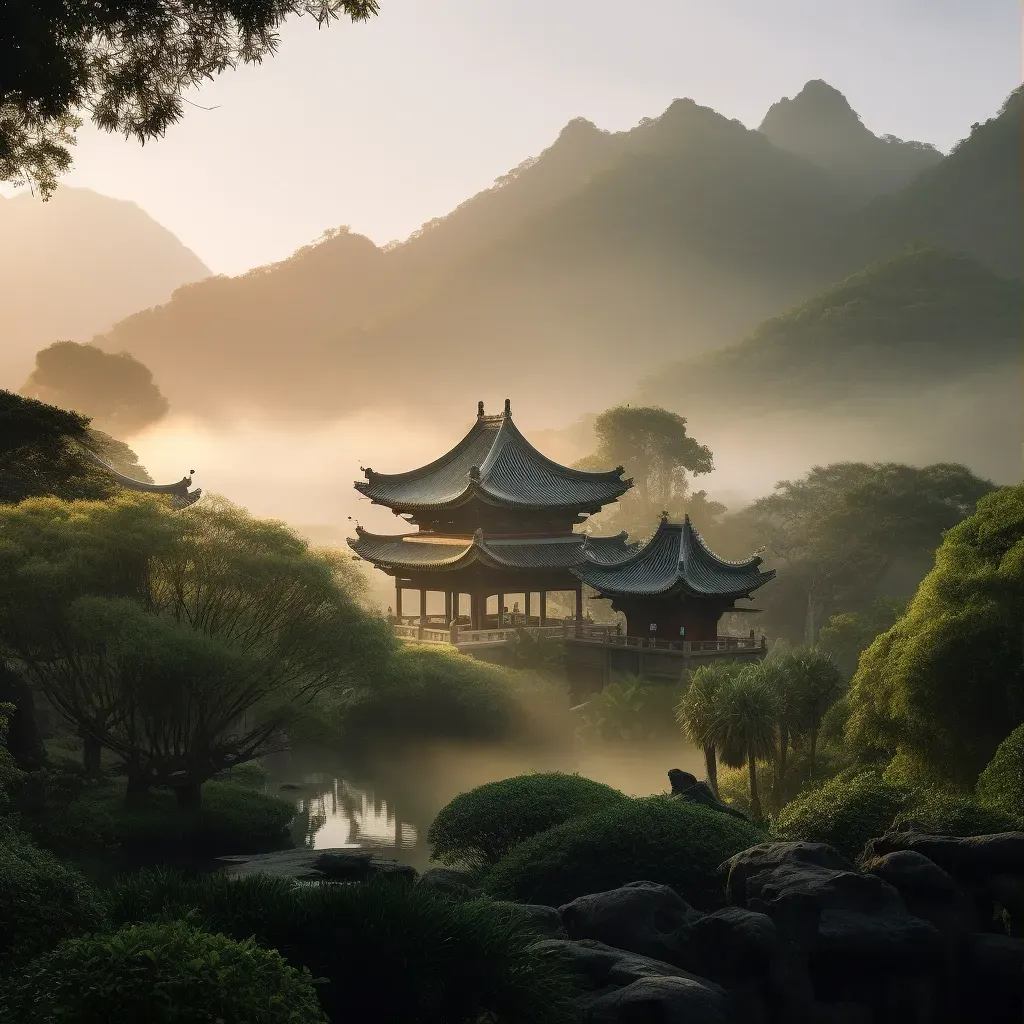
(606, 636)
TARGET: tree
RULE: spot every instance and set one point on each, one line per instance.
(128, 64)
(847, 635)
(186, 643)
(745, 724)
(116, 391)
(654, 447)
(697, 711)
(842, 528)
(813, 684)
(946, 683)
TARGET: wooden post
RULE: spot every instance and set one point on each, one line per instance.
(501, 610)
(526, 606)
(398, 600)
(423, 607)
(543, 606)
(447, 607)
(579, 605)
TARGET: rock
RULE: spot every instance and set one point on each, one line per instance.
(999, 956)
(928, 891)
(997, 971)
(288, 785)
(448, 882)
(976, 857)
(359, 866)
(642, 917)
(664, 1000)
(305, 865)
(597, 965)
(688, 787)
(819, 901)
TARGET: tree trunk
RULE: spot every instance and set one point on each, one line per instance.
(711, 763)
(189, 796)
(91, 756)
(755, 802)
(810, 627)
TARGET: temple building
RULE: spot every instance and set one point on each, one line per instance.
(495, 518)
(674, 587)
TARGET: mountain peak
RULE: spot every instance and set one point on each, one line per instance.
(820, 125)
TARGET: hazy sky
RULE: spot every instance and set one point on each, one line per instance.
(384, 125)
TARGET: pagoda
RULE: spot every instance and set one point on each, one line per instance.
(674, 587)
(494, 518)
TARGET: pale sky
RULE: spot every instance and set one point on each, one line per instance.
(387, 124)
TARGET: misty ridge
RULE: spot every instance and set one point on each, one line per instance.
(805, 271)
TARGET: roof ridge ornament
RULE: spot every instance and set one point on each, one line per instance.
(479, 410)
(474, 472)
(664, 516)
(508, 408)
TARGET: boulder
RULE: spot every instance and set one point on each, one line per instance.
(642, 917)
(688, 787)
(543, 920)
(966, 859)
(820, 902)
(305, 865)
(663, 1000)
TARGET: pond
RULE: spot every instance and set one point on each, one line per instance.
(387, 802)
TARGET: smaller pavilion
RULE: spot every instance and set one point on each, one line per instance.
(674, 587)
(182, 494)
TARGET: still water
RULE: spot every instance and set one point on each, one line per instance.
(388, 802)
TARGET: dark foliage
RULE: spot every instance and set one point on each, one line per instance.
(42, 902)
(481, 826)
(163, 974)
(387, 951)
(656, 839)
(1001, 784)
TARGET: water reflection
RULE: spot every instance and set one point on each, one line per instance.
(388, 802)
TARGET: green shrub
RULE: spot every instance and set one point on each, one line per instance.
(481, 826)
(163, 974)
(388, 952)
(42, 901)
(253, 774)
(52, 812)
(944, 813)
(845, 812)
(232, 819)
(1001, 784)
(655, 839)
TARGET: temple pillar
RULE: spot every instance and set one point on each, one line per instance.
(579, 604)
(501, 610)
(398, 599)
(423, 607)
(526, 606)
(543, 606)
(447, 607)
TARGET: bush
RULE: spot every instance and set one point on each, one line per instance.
(232, 819)
(1001, 784)
(387, 952)
(52, 813)
(845, 813)
(42, 901)
(945, 813)
(657, 839)
(163, 974)
(481, 826)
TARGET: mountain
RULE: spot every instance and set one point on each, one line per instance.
(600, 258)
(917, 356)
(819, 124)
(74, 266)
(971, 201)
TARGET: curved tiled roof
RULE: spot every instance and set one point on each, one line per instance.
(496, 464)
(675, 559)
(181, 494)
(432, 551)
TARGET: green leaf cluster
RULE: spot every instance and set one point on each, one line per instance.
(479, 827)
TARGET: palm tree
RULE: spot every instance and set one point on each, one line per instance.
(745, 724)
(779, 674)
(817, 683)
(697, 711)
